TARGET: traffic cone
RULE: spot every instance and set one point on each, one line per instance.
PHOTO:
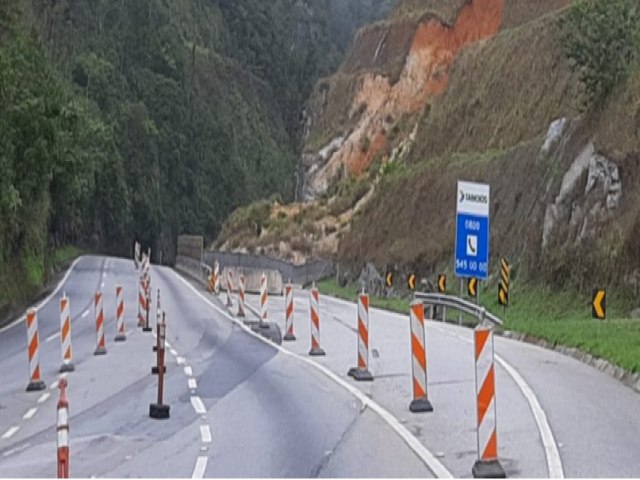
(420, 402)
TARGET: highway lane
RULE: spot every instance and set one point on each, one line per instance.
(593, 419)
(238, 406)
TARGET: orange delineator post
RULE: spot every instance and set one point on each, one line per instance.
(420, 402)
(33, 346)
(63, 431)
(361, 372)
(288, 296)
(101, 348)
(314, 303)
(263, 302)
(121, 336)
(241, 296)
(65, 335)
(487, 465)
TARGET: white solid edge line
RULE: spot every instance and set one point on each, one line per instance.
(198, 406)
(554, 461)
(201, 466)
(205, 433)
(11, 432)
(30, 413)
(46, 299)
(436, 467)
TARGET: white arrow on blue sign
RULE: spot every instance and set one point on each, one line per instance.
(472, 231)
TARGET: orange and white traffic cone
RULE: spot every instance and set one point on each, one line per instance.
(487, 465)
(121, 336)
(241, 296)
(101, 348)
(420, 402)
(63, 430)
(288, 321)
(33, 347)
(65, 335)
(361, 372)
(229, 287)
(142, 301)
(264, 323)
(315, 323)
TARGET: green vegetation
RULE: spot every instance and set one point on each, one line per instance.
(560, 318)
(350, 292)
(150, 118)
(602, 39)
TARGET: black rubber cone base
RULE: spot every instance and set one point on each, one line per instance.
(67, 367)
(100, 351)
(154, 370)
(121, 337)
(154, 348)
(158, 411)
(421, 405)
(318, 352)
(360, 375)
(147, 329)
(290, 337)
(491, 469)
(264, 325)
(36, 385)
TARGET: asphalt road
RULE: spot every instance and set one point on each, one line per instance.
(556, 415)
(239, 406)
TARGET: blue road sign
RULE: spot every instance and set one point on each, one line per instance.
(472, 231)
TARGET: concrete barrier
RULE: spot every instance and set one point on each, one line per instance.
(252, 279)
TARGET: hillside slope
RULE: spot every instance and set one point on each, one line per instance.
(477, 90)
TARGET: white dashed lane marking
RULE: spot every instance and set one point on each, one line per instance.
(201, 466)
(198, 406)
(44, 397)
(188, 371)
(192, 384)
(11, 432)
(30, 413)
(205, 433)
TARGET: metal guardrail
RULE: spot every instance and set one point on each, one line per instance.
(438, 299)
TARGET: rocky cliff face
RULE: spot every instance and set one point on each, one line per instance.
(393, 72)
(479, 90)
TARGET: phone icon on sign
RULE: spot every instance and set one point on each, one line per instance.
(472, 245)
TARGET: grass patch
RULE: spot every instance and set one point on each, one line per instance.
(63, 255)
(559, 318)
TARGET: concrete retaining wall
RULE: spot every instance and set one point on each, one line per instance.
(252, 280)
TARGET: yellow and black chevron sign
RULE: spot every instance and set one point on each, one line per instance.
(389, 279)
(503, 289)
(442, 283)
(411, 281)
(503, 295)
(599, 304)
(472, 287)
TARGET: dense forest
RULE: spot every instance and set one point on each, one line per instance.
(144, 119)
